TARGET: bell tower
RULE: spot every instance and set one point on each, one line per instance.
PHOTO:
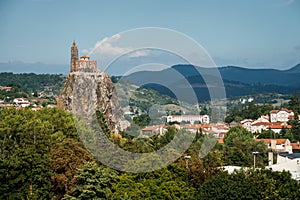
(74, 57)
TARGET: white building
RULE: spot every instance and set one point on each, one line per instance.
(284, 163)
(255, 125)
(154, 130)
(203, 119)
(263, 123)
(247, 123)
(283, 115)
(23, 102)
(258, 127)
(278, 145)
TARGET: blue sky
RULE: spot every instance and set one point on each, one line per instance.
(253, 33)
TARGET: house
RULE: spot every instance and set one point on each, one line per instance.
(262, 123)
(51, 106)
(23, 102)
(247, 123)
(193, 128)
(278, 126)
(263, 118)
(36, 108)
(296, 147)
(278, 145)
(219, 129)
(282, 115)
(258, 127)
(203, 119)
(154, 130)
(288, 162)
(5, 88)
(243, 100)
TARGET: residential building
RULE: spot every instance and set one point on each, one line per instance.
(5, 88)
(288, 162)
(278, 145)
(154, 130)
(23, 102)
(258, 127)
(203, 119)
(193, 128)
(282, 115)
(296, 147)
(262, 123)
(247, 123)
(278, 126)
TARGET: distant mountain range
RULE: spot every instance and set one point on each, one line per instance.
(237, 81)
(290, 77)
(37, 67)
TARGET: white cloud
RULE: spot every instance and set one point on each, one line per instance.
(139, 53)
(108, 47)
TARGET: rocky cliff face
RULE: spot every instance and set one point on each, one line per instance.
(86, 91)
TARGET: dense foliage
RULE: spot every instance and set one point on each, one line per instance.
(27, 138)
(15, 92)
(41, 157)
(252, 111)
(259, 184)
(30, 82)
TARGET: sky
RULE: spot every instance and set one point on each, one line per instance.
(246, 33)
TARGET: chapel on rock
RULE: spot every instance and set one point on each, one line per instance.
(84, 64)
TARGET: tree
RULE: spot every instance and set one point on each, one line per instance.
(268, 134)
(295, 130)
(239, 145)
(252, 111)
(66, 157)
(24, 146)
(93, 181)
(142, 120)
(258, 184)
(166, 183)
(237, 133)
(294, 104)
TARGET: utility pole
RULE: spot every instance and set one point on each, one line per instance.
(186, 158)
(254, 158)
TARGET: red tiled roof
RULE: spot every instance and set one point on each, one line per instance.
(279, 126)
(282, 109)
(190, 126)
(209, 131)
(274, 111)
(246, 120)
(278, 141)
(261, 124)
(295, 146)
(221, 141)
(287, 110)
(151, 128)
(205, 125)
(84, 56)
(221, 127)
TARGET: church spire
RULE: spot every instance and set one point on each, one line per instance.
(74, 57)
